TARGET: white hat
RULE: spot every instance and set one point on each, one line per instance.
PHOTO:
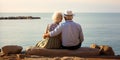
(68, 12)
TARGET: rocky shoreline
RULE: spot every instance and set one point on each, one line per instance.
(19, 17)
(14, 52)
(35, 57)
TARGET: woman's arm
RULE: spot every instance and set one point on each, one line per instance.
(47, 29)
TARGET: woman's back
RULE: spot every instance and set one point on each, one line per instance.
(51, 42)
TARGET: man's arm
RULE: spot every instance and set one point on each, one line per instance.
(46, 35)
(81, 37)
(55, 32)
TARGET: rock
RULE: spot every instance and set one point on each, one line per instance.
(106, 50)
(83, 51)
(11, 49)
(94, 46)
(21, 56)
(103, 49)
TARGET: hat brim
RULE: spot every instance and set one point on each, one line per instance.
(68, 15)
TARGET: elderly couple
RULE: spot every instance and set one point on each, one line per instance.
(67, 35)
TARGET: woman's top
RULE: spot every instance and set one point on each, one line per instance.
(51, 27)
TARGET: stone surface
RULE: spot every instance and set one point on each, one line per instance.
(106, 50)
(94, 46)
(103, 49)
(83, 51)
(11, 49)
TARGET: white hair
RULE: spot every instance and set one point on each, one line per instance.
(56, 14)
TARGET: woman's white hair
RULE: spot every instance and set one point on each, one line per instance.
(56, 14)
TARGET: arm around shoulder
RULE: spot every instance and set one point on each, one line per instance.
(56, 31)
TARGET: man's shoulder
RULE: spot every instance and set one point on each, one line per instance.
(62, 23)
(77, 23)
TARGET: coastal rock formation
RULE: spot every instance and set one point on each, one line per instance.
(11, 49)
(104, 49)
(94, 46)
(19, 17)
(83, 51)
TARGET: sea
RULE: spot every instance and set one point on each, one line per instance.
(98, 28)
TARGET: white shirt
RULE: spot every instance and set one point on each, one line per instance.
(72, 33)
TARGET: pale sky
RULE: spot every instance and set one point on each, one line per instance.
(61, 5)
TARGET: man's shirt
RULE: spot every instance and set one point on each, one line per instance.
(72, 33)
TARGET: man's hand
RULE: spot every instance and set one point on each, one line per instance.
(45, 35)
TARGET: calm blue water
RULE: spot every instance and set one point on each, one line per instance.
(99, 28)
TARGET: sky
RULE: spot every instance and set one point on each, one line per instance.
(59, 5)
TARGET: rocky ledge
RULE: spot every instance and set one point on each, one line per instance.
(94, 52)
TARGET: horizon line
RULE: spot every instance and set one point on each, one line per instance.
(53, 12)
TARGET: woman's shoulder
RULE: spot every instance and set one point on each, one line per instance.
(52, 24)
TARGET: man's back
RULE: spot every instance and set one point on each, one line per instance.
(71, 33)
